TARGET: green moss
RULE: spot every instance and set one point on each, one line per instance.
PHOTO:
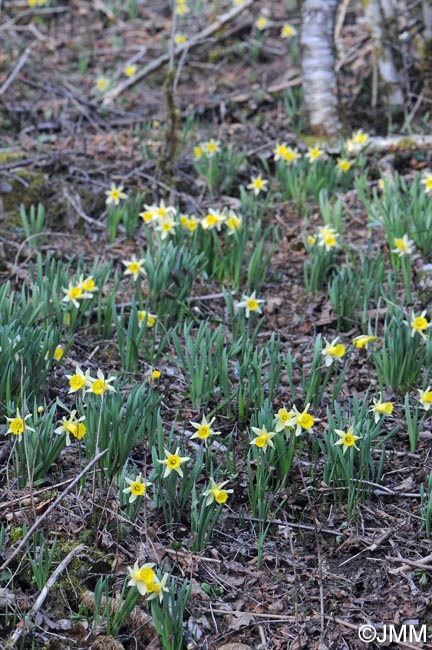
(406, 143)
(16, 533)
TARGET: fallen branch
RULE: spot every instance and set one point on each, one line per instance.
(52, 507)
(377, 144)
(164, 58)
(42, 596)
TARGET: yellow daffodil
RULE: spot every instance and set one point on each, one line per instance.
(173, 462)
(166, 227)
(344, 165)
(100, 385)
(251, 304)
(213, 219)
(134, 267)
(157, 588)
(145, 316)
(363, 341)
(79, 380)
(380, 408)
(58, 353)
(17, 424)
(211, 147)
(425, 398)
(203, 429)
(137, 487)
(314, 153)
(333, 351)
(102, 84)
(233, 222)
(262, 23)
(115, 194)
(419, 325)
(216, 493)
(347, 439)
(284, 420)
(73, 426)
(288, 31)
(130, 70)
(403, 246)
(302, 420)
(427, 182)
(141, 577)
(257, 185)
(263, 438)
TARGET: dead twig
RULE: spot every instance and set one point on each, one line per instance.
(52, 507)
(413, 563)
(164, 58)
(21, 63)
(43, 594)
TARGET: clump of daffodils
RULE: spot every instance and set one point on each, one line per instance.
(294, 419)
(81, 290)
(286, 154)
(147, 583)
(162, 217)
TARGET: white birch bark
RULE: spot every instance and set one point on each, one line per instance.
(318, 67)
(390, 82)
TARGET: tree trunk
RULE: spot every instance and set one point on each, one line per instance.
(318, 67)
(390, 83)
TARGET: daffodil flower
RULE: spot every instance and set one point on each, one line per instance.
(347, 439)
(263, 438)
(115, 194)
(73, 426)
(403, 246)
(381, 408)
(203, 429)
(250, 304)
(427, 182)
(100, 385)
(78, 380)
(17, 424)
(134, 267)
(173, 462)
(419, 325)
(213, 219)
(425, 398)
(363, 341)
(333, 351)
(137, 488)
(284, 420)
(141, 577)
(216, 493)
(257, 185)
